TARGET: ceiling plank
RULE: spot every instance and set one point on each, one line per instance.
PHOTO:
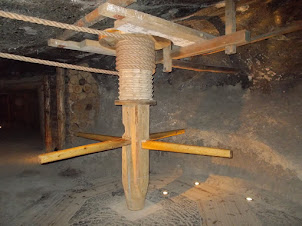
(92, 18)
(129, 20)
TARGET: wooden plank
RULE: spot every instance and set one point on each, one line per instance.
(133, 21)
(167, 64)
(47, 121)
(86, 45)
(60, 93)
(135, 159)
(237, 38)
(81, 150)
(187, 149)
(230, 23)
(201, 68)
(153, 136)
(92, 18)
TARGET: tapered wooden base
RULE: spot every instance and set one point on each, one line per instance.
(135, 159)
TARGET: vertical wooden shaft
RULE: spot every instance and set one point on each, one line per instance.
(47, 122)
(135, 163)
(60, 93)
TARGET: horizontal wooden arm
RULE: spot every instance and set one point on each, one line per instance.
(153, 136)
(188, 149)
(82, 150)
(98, 137)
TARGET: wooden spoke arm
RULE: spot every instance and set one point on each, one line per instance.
(97, 137)
(82, 150)
(111, 142)
(188, 149)
(153, 136)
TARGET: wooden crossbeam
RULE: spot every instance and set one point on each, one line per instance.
(82, 150)
(92, 18)
(237, 38)
(187, 149)
(86, 45)
(197, 67)
(153, 136)
(295, 26)
(133, 21)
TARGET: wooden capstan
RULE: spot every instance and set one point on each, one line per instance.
(136, 62)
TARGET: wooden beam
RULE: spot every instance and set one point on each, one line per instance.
(92, 18)
(153, 136)
(167, 64)
(47, 121)
(86, 45)
(230, 23)
(97, 137)
(82, 150)
(237, 38)
(188, 149)
(60, 93)
(201, 68)
(135, 159)
(129, 20)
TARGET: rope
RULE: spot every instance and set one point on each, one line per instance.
(15, 16)
(135, 61)
(56, 64)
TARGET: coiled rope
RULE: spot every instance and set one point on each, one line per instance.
(56, 64)
(135, 61)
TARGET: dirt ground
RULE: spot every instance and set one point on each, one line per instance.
(66, 193)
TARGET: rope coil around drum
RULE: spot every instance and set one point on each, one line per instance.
(135, 61)
(56, 64)
(30, 19)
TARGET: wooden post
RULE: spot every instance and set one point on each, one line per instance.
(167, 64)
(230, 23)
(135, 159)
(47, 124)
(60, 92)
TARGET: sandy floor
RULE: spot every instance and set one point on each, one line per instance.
(51, 194)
